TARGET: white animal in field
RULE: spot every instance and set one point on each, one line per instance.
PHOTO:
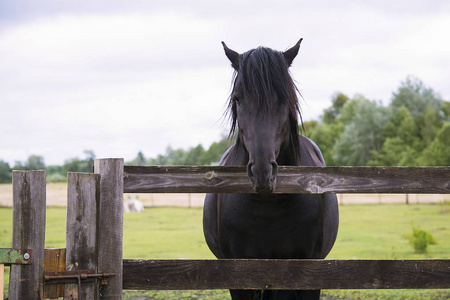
(132, 204)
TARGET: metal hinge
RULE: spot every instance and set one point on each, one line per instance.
(10, 256)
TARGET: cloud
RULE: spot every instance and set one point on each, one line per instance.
(83, 79)
(120, 79)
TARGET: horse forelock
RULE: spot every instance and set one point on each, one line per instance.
(264, 73)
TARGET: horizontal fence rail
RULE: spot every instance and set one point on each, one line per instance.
(101, 194)
(315, 180)
(285, 274)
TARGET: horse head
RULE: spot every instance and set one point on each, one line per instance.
(264, 111)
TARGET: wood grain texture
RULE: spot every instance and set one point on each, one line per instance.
(29, 192)
(2, 279)
(81, 231)
(54, 261)
(315, 180)
(110, 224)
(286, 274)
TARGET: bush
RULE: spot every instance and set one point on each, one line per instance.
(420, 239)
(56, 177)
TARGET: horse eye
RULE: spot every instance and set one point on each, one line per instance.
(236, 100)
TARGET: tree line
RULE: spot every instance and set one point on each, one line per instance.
(193, 156)
(412, 130)
(54, 173)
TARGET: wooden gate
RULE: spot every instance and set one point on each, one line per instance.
(92, 265)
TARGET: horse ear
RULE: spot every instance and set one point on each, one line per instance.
(232, 55)
(290, 54)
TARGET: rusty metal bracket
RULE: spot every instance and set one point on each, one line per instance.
(10, 256)
(77, 276)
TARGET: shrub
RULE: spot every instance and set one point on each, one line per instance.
(420, 239)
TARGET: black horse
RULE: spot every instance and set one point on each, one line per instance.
(265, 112)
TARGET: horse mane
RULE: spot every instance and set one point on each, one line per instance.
(264, 73)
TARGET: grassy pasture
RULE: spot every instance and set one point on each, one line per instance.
(366, 231)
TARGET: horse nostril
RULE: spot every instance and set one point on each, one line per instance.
(263, 176)
(249, 169)
(274, 170)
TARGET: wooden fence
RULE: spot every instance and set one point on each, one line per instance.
(92, 266)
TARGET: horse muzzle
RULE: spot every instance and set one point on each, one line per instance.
(263, 176)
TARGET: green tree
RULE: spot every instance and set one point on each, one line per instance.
(307, 127)
(437, 153)
(401, 141)
(79, 165)
(214, 153)
(175, 157)
(325, 136)
(160, 160)
(194, 156)
(357, 131)
(34, 162)
(5, 172)
(417, 115)
(326, 132)
(363, 121)
(171, 157)
(429, 123)
(18, 165)
(55, 174)
(90, 159)
(393, 153)
(140, 160)
(74, 165)
(401, 124)
(331, 114)
(416, 97)
(446, 111)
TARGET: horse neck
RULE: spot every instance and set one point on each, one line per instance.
(239, 156)
(288, 155)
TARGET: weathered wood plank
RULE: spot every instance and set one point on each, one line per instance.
(2, 279)
(110, 224)
(26, 281)
(54, 261)
(81, 237)
(171, 179)
(286, 274)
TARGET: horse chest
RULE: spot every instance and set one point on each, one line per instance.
(279, 228)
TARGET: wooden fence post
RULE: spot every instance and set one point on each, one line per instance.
(110, 221)
(2, 273)
(29, 192)
(81, 232)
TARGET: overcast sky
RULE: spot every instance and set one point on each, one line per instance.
(119, 77)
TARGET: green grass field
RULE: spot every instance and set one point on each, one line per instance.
(366, 232)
